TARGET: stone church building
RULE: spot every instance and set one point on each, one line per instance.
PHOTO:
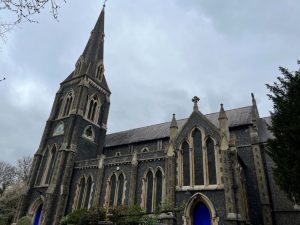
(213, 169)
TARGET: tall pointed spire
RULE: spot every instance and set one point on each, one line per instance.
(93, 51)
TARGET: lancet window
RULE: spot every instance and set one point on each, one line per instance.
(153, 186)
(84, 193)
(99, 72)
(93, 108)
(115, 190)
(50, 161)
(67, 104)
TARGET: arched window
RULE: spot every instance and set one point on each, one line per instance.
(99, 72)
(159, 183)
(67, 104)
(78, 68)
(113, 182)
(186, 163)
(198, 157)
(149, 192)
(81, 189)
(120, 189)
(50, 165)
(211, 161)
(93, 108)
(88, 192)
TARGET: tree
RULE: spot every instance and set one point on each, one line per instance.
(284, 149)
(12, 185)
(24, 11)
(7, 175)
(23, 168)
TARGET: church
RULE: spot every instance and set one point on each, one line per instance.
(213, 169)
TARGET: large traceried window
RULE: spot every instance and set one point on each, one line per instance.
(84, 193)
(153, 186)
(197, 161)
(93, 108)
(116, 190)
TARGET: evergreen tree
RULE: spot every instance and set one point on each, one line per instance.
(284, 149)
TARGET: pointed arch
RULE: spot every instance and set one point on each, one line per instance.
(193, 202)
(112, 190)
(78, 66)
(158, 189)
(198, 157)
(149, 191)
(211, 161)
(81, 189)
(186, 171)
(50, 163)
(120, 193)
(88, 192)
(93, 108)
(67, 104)
(99, 72)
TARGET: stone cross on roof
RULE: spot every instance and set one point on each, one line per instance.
(196, 99)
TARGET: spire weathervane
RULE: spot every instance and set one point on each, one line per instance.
(196, 99)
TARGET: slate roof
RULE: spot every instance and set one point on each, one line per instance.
(264, 132)
(236, 117)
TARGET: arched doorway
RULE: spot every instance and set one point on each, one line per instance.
(201, 215)
(200, 211)
(37, 217)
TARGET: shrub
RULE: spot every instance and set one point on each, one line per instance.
(74, 217)
(26, 220)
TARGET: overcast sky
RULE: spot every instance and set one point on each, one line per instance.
(158, 55)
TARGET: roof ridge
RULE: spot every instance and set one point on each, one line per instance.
(132, 129)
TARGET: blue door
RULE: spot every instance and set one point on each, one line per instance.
(201, 215)
(38, 214)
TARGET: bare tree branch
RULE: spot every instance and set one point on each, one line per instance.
(7, 175)
(23, 168)
(24, 11)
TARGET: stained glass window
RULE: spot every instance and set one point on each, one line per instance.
(120, 189)
(186, 163)
(149, 192)
(211, 161)
(112, 191)
(198, 157)
(158, 199)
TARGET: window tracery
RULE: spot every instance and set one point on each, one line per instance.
(51, 157)
(115, 193)
(197, 161)
(93, 108)
(84, 193)
(67, 104)
(153, 190)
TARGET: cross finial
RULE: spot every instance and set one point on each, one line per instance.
(196, 99)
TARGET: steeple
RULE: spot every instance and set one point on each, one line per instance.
(90, 63)
(93, 51)
(173, 128)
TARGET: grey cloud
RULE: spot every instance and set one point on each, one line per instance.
(158, 55)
